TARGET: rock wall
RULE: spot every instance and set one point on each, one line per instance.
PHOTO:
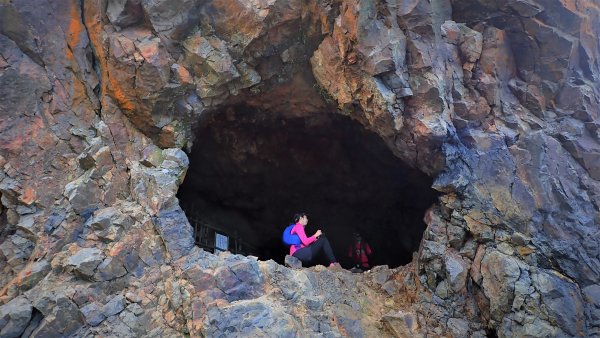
(497, 101)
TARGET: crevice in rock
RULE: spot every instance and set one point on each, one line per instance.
(250, 171)
(36, 319)
(6, 229)
(94, 60)
(491, 333)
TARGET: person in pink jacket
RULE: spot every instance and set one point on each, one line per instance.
(311, 246)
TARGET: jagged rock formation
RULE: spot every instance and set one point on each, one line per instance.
(496, 101)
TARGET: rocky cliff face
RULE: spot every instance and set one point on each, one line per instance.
(496, 101)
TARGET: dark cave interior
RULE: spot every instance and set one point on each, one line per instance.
(251, 171)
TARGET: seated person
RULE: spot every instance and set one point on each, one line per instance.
(311, 246)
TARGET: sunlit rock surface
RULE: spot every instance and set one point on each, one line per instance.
(496, 101)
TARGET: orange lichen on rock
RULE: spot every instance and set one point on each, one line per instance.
(119, 94)
(94, 25)
(28, 196)
(74, 30)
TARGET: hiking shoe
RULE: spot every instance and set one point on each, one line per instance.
(335, 266)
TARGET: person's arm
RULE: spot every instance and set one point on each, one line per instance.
(298, 229)
(368, 249)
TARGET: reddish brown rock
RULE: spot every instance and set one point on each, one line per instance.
(496, 101)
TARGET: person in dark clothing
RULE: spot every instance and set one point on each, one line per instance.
(359, 251)
(311, 246)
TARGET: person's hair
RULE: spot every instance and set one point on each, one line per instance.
(299, 215)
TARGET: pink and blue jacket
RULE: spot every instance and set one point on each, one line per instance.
(298, 229)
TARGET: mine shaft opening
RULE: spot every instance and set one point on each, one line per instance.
(250, 172)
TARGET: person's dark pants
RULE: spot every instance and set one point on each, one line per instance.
(308, 253)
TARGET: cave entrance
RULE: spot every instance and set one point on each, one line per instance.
(251, 171)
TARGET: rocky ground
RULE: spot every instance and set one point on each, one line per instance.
(497, 101)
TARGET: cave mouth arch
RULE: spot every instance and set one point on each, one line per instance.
(250, 171)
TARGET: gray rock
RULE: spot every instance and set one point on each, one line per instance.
(456, 236)
(85, 261)
(118, 328)
(212, 52)
(154, 188)
(130, 319)
(14, 317)
(174, 19)
(469, 249)
(442, 290)
(381, 274)
(500, 272)
(470, 43)
(250, 318)
(520, 239)
(176, 159)
(61, 317)
(83, 195)
(135, 308)
(114, 306)
(175, 231)
(16, 249)
(242, 280)
(458, 327)
(432, 250)
(152, 156)
(93, 314)
(105, 218)
(173, 293)
(562, 300)
(349, 319)
(152, 252)
(390, 287)
(124, 13)
(26, 225)
(592, 295)
(402, 324)
(293, 262)
(132, 297)
(111, 268)
(53, 222)
(456, 271)
(37, 271)
(530, 326)
(103, 162)
(36, 319)
(450, 31)
(314, 303)
(86, 160)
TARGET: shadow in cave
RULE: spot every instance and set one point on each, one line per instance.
(251, 171)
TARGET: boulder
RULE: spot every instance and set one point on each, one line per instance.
(562, 300)
(83, 194)
(124, 13)
(458, 327)
(152, 156)
(114, 306)
(402, 324)
(456, 271)
(85, 261)
(293, 262)
(61, 317)
(499, 272)
(175, 231)
(93, 314)
(33, 274)
(111, 268)
(14, 317)
(249, 318)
